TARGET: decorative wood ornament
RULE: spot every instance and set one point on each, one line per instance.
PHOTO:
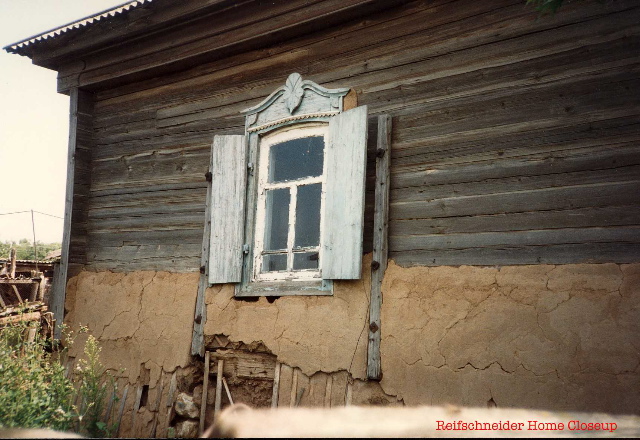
(298, 99)
(293, 92)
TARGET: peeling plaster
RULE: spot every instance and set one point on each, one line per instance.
(321, 333)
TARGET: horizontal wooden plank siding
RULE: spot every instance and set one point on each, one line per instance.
(516, 139)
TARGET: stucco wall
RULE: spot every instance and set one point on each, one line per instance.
(142, 319)
(556, 337)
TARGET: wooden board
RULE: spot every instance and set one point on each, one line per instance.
(246, 365)
(380, 245)
(227, 208)
(81, 105)
(344, 198)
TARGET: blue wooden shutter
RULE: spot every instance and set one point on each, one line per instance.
(344, 201)
(227, 208)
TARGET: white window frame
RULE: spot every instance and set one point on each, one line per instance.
(288, 133)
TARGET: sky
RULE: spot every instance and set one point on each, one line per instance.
(34, 121)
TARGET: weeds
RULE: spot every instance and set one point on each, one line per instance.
(38, 392)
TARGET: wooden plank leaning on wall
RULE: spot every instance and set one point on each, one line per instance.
(380, 244)
(77, 191)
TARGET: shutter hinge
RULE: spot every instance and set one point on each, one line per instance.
(250, 168)
(245, 249)
(208, 176)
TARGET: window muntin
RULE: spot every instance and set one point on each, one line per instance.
(289, 204)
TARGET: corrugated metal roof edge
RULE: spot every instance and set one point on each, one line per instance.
(77, 24)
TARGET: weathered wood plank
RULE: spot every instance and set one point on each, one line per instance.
(620, 234)
(520, 183)
(579, 196)
(133, 252)
(344, 198)
(465, 114)
(307, 18)
(121, 410)
(80, 102)
(175, 265)
(227, 169)
(205, 390)
(247, 365)
(117, 238)
(218, 401)
(380, 245)
(559, 162)
(188, 220)
(625, 215)
(519, 255)
(227, 206)
(276, 386)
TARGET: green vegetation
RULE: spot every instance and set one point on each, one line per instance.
(25, 251)
(38, 392)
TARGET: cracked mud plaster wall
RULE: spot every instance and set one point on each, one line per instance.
(142, 319)
(313, 333)
(552, 337)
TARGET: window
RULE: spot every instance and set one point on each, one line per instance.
(289, 204)
(286, 200)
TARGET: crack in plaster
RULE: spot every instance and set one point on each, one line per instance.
(482, 368)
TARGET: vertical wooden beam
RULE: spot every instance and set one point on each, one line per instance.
(200, 318)
(12, 263)
(294, 388)
(158, 405)
(42, 287)
(173, 385)
(276, 386)
(121, 411)
(136, 407)
(327, 391)
(380, 245)
(80, 111)
(205, 389)
(218, 403)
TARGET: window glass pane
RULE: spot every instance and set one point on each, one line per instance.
(274, 262)
(305, 260)
(276, 219)
(308, 215)
(296, 158)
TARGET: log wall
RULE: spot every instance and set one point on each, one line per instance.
(515, 138)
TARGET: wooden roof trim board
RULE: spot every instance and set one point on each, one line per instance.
(134, 19)
(18, 47)
(123, 47)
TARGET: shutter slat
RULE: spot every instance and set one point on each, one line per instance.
(228, 191)
(344, 201)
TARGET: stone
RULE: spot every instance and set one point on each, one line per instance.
(185, 406)
(187, 429)
(197, 394)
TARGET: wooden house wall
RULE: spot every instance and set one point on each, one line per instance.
(515, 138)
